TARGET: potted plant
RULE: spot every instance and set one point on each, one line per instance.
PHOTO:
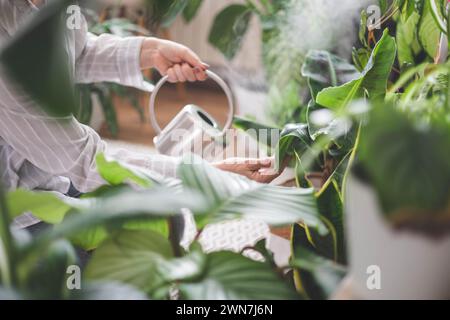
(398, 204)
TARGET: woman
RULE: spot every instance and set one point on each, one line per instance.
(39, 152)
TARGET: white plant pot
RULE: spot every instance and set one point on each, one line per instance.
(411, 265)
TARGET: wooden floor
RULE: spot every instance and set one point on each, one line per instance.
(169, 103)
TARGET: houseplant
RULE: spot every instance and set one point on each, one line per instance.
(117, 219)
(107, 213)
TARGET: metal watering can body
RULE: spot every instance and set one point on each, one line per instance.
(192, 130)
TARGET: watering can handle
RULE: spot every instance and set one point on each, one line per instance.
(211, 75)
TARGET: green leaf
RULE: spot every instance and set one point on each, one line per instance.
(49, 67)
(191, 9)
(8, 245)
(44, 205)
(294, 138)
(320, 277)
(117, 174)
(229, 28)
(164, 12)
(130, 257)
(90, 238)
(429, 33)
(47, 280)
(233, 196)
(122, 207)
(360, 58)
(373, 79)
(324, 69)
(408, 8)
(436, 14)
(226, 276)
(407, 39)
(363, 28)
(331, 207)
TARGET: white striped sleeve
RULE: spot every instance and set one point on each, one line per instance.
(110, 58)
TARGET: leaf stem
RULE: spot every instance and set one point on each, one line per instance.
(174, 235)
(7, 270)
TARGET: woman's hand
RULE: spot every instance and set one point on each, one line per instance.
(260, 170)
(176, 61)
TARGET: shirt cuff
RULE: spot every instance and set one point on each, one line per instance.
(128, 61)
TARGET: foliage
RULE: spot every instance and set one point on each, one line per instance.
(42, 36)
(162, 13)
(394, 124)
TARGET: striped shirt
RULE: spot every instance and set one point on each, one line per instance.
(40, 152)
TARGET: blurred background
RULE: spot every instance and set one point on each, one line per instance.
(256, 46)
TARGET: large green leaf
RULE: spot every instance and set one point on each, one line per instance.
(47, 280)
(37, 60)
(323, 69)
(234, 196)
(191, 9)
(225, 276)
(319, 276)
(121, 207)
(116, 173)
(294, 138)
(372, 82)
(331, 208)
(164, 12)
(44, 205)
(229, 28)
(408, 162)
(407, 42)
(130, 257)
(429, 32)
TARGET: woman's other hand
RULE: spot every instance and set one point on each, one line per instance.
(176, 61)
(260, 170)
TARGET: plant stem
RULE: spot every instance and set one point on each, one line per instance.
(174, 235)
(7, 270)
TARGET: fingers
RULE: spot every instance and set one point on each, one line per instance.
(184, 72)
(200, 75)
(256, 164)
(263, 178)
(179, 73)
(188, 72)
(198, 66)
(259, 170)
(171, 75)
(190, 57)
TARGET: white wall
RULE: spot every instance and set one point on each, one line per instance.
(195, 35)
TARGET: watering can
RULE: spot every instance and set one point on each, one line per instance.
(192, 130)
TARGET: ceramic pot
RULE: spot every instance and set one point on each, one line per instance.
(386, 263)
